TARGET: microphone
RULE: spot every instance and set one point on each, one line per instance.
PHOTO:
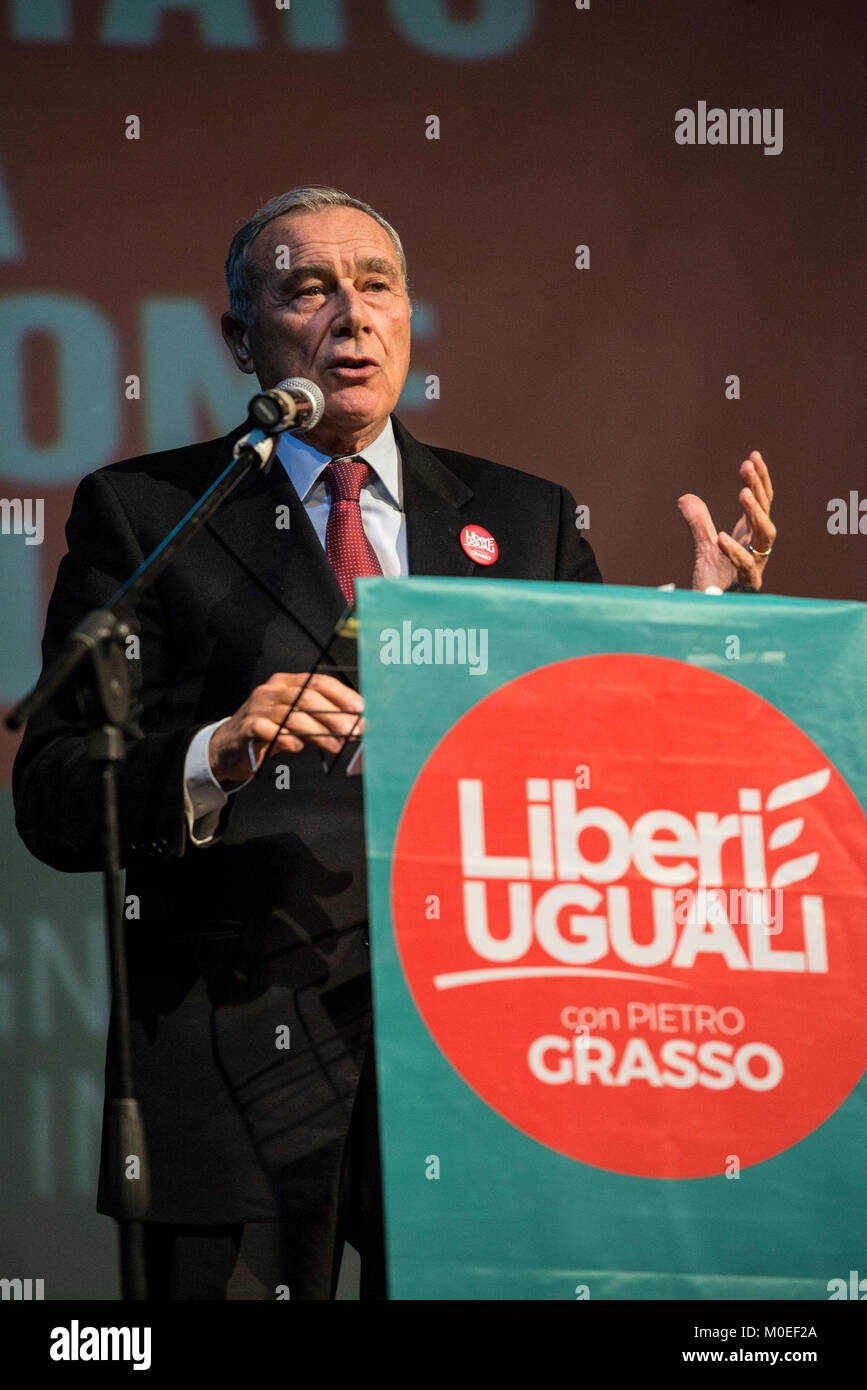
(293, 404)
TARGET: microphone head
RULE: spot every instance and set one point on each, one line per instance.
(314, 395)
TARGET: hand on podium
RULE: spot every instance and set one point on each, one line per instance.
(327, 713)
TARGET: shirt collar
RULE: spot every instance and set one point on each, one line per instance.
(304, 464)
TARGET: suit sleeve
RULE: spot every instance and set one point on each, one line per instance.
(576, 562)
(56, 788)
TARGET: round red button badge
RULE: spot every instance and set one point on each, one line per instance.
(479, 544)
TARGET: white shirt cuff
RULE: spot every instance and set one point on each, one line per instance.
(204, 798)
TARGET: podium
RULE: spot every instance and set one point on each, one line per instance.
(617, 859)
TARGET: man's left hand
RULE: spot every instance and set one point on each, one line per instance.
(720, 558)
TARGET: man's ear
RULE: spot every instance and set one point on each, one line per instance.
(237, 341)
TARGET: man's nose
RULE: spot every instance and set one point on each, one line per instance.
(352, 315)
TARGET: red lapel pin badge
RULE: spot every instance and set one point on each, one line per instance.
(479, 544)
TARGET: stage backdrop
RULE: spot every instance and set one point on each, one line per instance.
(619, 934)
(634, 236)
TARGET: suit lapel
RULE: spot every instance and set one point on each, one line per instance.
(432, 500)
(291, 563)
(287, 561)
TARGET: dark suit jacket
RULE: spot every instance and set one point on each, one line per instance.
(266, 928)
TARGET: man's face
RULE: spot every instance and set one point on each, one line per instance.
(338, 315)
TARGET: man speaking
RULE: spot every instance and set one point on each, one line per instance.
(249, 959)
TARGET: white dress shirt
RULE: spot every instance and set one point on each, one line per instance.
(384, 523)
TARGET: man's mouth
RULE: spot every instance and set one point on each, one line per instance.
(354, 368)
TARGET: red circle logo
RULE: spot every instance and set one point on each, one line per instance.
(629, 899)
(479, 544)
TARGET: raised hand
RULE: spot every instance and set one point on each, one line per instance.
(720, 557)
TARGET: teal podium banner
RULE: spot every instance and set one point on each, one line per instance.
(618, 895)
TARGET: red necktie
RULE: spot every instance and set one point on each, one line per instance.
(346, 545)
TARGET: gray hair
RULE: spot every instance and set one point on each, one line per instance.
(308, 198)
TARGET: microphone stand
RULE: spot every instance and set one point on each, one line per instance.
(93, 663)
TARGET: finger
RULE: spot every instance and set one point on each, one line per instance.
(301, 716)
(264, 731)
(748, 568)
(697, 517)
(286, 685)
(328, 728)
(304, 728)
(312, 730)
(339, 693)
(764, 474)
(275, 700)
(755, 480)
(314, 702)
(763, 532)
(323, 726)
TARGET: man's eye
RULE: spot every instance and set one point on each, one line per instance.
(312, 289)
(378, 285)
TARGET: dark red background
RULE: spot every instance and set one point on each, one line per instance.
(704, 261)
